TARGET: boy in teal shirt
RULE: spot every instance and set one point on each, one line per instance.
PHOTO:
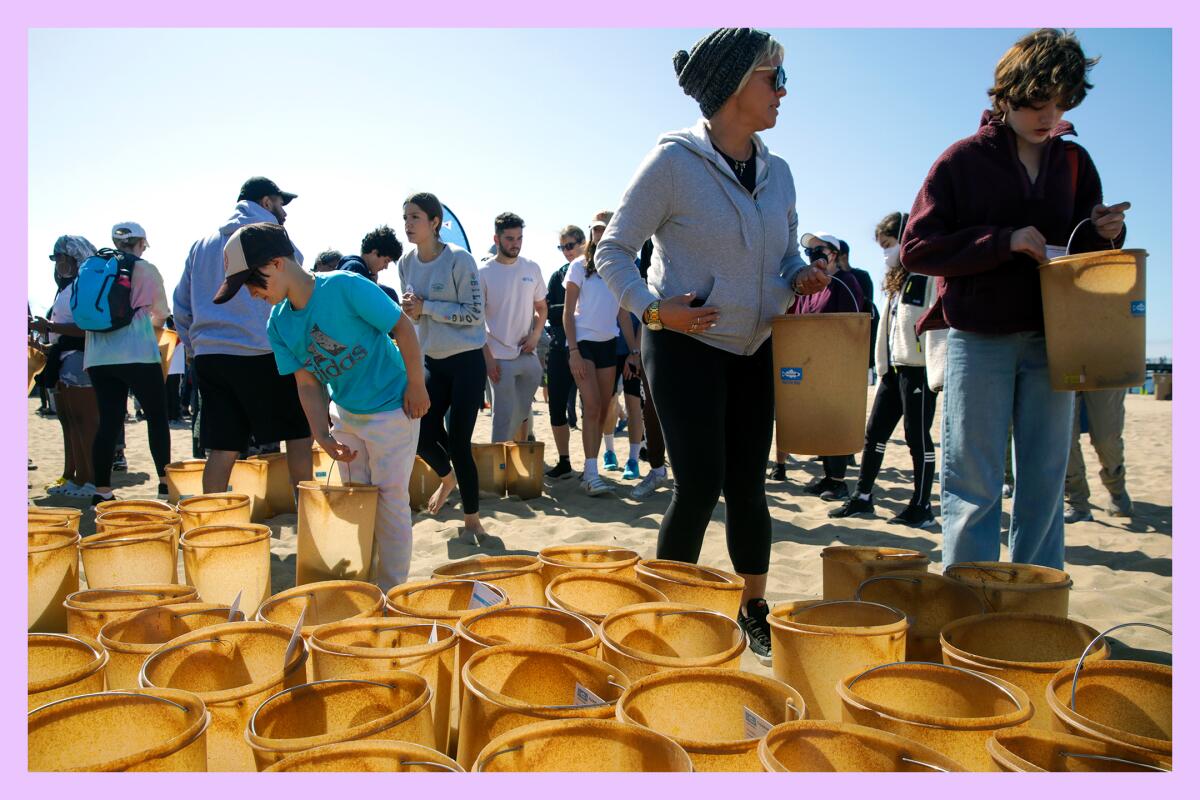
(332, 330)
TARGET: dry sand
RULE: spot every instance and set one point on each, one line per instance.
(1121, 568)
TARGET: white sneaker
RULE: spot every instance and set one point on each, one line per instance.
(650, 484)
(595, 486)
(87, 490)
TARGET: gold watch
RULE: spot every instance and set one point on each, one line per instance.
(650, 316)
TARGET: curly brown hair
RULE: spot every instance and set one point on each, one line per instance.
(1043, 65)
(892, 225)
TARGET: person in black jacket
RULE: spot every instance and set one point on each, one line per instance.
(558, 373)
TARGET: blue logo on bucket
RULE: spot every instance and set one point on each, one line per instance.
(791, 374)
(1138, 308)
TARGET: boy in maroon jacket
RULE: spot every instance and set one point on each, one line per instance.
(991, 208)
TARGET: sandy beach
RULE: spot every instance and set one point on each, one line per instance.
(1121, 568)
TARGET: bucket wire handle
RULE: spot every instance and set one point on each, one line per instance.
(741, 634)
(789, 706)
(660, 576)
(795, 611)
(433, 764)
(95, 652)
(254, 716)
(924, 764)
(1064, 754)
(499, 609)
(488, 760)
(1079, 666)
(1111, 242)
(142, 677)
(434, 625)
(970, 672)
(858, 591)
(167, 700)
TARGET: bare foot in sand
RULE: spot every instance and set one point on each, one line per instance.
(442, 494)
(473, 527)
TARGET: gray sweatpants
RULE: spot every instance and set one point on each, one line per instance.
(1106, 421)
(512, 397)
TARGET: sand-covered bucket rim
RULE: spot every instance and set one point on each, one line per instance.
(406, 590)
(644, 590)
(614, 677)
(318, 640)
(216, 501)
(356, 588)
(466, 631)
(915, 752)
(133, 534)
(716, 580)
(75, 641)
(488, 568)
(121, 518)
(60, 512)
(412, 754)
(623, 557)
(668, 662)
(89, 600)
(514, 740)
(1005, 749)
(1077, 722)
(60, 536)
(347, 488)
(952, 630)
(109, 506)
(110, 634)
(858, 554)
(245, 533)
(1083, 259)
(991, 572)
(783, 616)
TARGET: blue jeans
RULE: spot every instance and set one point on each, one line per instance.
(990, 381)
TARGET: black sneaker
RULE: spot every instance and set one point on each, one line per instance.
(758, 632)
(163, 491)
(854, 507)
(816, 486)
(560, 470)
(915, 517)
(779, 473)
(119, 463)
(99, 498)
(835, 490)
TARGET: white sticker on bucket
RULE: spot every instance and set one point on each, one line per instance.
(483, 595)
(295, 641)
(233, 607)
(586, 697)
(432, 634)
(1054, 251)
(755, 726)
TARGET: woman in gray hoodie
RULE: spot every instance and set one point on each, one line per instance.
(721, 211)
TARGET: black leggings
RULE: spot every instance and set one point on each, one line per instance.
(903, 393)
(561, 384)
(455, 384)
(716, 411)
(113, 383)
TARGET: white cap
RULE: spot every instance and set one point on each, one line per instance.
(810, 239)
(128, 230)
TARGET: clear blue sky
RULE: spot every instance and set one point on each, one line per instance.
(550, 124)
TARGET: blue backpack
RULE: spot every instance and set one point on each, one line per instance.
(101, 293)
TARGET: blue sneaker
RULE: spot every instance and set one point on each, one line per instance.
(610, 461)
(622, 424)
(631, 470)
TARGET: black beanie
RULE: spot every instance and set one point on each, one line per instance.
(712, 71)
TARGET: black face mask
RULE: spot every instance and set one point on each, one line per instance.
(61, 281)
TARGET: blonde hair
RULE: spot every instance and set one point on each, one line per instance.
(771, 50)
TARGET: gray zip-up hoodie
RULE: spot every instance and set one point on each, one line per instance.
(237, 328)
(735, 249)
(451, 320)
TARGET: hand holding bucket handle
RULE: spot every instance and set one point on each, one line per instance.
(1091, 644)
(1107, 220)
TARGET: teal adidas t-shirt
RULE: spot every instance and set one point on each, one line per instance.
(341, 337)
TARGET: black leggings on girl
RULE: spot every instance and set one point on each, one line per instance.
(113, 383)
(903, 392)
(717, 412)
(455, 384)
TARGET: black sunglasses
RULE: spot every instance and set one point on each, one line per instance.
(780, 75)
(569, 246)
(818, 252)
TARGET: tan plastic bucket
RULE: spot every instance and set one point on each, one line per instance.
(36, 363)
(597, 596)
(213, 509)
(844, 568)
(371, 756)
(391, 706)
(168, 340)
(582, 745)
(948, 709)
(1026, 750)
(321, 603)
(511, 685)
(249, 477)
(717, 715)
(1125, 702)
(129, 640)
(444, 600)
(223, 561)
(594, 558)
(280, 497)
(42, 516)
(1023, 649)
(524, 467)
(63, 666)
(1015, 587)
(383, 644)
(489, 461)
(1094, 309)
(129, 556)
(816, 642)
(526, 625)
(185, 479)
(53, 574)
(325, 469)
(233, 668)
(146, 730)
(336, 531)
(111, 506)
(682, 582)
(422, 484)
(820, 394)
(823, 746)
(111, 520)
(644, 639)
(91, 609)
(519, 576)
(930, 601)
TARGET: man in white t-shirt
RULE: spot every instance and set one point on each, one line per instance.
(514, 294)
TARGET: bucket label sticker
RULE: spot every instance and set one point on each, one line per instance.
(586, 697)
(432, 634)
(320, 473)
(295, 641)
(791, 374)
(1072, 379)
(229, 488)
(1137, 308)
(755, 726)
(186, 496)
(482, 596)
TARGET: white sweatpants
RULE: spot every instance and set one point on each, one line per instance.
(387, 446)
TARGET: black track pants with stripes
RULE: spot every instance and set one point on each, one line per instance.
(903, 393)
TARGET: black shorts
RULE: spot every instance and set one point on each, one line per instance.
(633, 386)
(602, 354)
(244, 395)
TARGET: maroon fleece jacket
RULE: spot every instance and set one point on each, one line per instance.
(976, 194)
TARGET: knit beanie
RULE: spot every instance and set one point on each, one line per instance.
(712, 71)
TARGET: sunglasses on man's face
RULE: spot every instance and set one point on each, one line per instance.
(814, 253)
(780, 75)
(569, 246)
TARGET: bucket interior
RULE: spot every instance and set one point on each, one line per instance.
(929, 601)
(702, 706)
(587, 555)
(597, 596)
(933, 692)
(321, 604)
(540, 678)
(869, 555)
(1123, 695)
(1006, 574)
(224, 535)
(584, 746)
(53, 657)
(843, 615)
(839, 748)
(45, 540)
(435, 597)
(367, 756)
(212, 503)
(501, 566)
(238, 658)
(524, 625)
(672, 634)
(1022, 638)
(162, 624)
(135, 599)
(1060, 752)
(324, 708)
(389, 634)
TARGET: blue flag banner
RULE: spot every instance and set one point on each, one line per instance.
(452, 229)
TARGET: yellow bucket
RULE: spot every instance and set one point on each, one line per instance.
(371, 756)
(249, 477)
(444, 600)
(111, 506)
(524, 467)
(1094, 309)
(489, 461)
(36, 363)
(53, 574)
(717, 715)
(146, 730)
(422, 484)
(681, 582)
(1024, 649)
(644, 639)
(224, 561)
(553, 627)
(822, 746)
(321, 603)
(280, 497)
(63, 666)
(948, 709)
(168, 340)
(519, 576)
(595, 558)
(1123, 702)
(511, 685)
(816, 642)
(42, 516)
(820, 392)
(112, 520)
(582, 745)
(1025, 750)
(391, 706)
(1027, 588)
(213, 509)
(844, 568)
(325, 469)
(91, 609)
(129, 556)
(185, 479)
(233, 668)
(335, 531)
(597, 596)
(130, 639)
(930, 601)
